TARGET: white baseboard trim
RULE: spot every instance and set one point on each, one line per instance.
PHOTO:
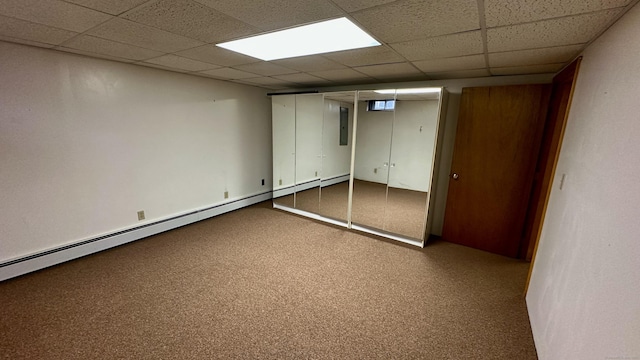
(389, 235)
(40, 260)
(283, 192)
(311, 215)
(311, 184)
(335, 180)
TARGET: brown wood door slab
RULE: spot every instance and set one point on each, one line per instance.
(495, 154)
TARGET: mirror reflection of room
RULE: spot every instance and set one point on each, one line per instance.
(372, 156)
(308, 122)
(396, 136)
(411, 165)
(284, 149)
(337, 142)
(360, 159)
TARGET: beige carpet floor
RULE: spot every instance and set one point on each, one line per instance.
(259, 283)
(394, 210)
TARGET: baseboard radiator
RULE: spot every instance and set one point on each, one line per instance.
(40, 260)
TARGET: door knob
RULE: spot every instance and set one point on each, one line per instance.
(393, 165)
(455, 176)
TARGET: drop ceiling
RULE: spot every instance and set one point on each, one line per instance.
(421, 39)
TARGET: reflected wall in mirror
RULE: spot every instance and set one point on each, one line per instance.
(372, 153)
(373, 148)
(413, 142)
(337, 133)
(283, 111)
(395, 143)
(308, 135)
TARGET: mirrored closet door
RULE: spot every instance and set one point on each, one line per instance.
(364, 159)
(411, 161)
(374, 132)
(283, 111)
(308, 158)
(337, 139)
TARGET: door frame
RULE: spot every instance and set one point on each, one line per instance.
(538, 206)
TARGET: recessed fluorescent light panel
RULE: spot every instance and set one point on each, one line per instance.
(409, 91)
(323, 37)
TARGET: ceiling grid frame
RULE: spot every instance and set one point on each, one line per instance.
(164, 35)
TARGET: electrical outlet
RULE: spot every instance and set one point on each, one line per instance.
(316, 174)
(141, 215)
(262, 182)
(280, 182)
(226, 194)
(375, 170)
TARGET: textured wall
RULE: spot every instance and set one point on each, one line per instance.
(86, 143)
(584, 295)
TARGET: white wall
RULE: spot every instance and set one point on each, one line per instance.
(283, 111)
(306, 141)
(309, 119)
(414, 137)
(402, 139)
(584, 296)
(373, 144)
(336, 158)
(86, 143)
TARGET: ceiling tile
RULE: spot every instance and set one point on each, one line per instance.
(532, 69)
(569, 30)
(302, 78)
(391, 71)
(416, 19)
(341, 75)
(552, 55)
(275, 14)
(217, 55)
(463, 74)
(182, 63)
(270, 86)
(355, 5)
(468, 43)
(92, 54)
(33, 32)
(23, 41)
(268, 81)
(365, 56)
(310, 63)
(191, 19)
(125, 31)
(500, 12)
(451, 64)
(265, 69)
(228, 74)
(96, 45)
(53, 13)
(114, 7)
(551, 35)
(156, 66)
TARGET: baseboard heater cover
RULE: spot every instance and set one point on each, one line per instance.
(26, 264)
(335, 180)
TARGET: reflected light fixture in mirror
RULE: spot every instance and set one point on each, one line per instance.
(318, 38)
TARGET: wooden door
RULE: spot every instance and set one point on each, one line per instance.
(495, 154)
